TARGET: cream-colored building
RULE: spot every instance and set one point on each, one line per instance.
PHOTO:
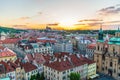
(29, 70)
(107, 55)
(7, 55)
(92, 70)
(59, 68)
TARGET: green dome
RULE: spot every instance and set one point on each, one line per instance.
(114, 39)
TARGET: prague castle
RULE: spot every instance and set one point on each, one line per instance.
(107, 54)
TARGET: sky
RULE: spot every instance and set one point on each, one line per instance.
(59, 14)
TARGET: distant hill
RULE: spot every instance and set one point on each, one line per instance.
(12, 30)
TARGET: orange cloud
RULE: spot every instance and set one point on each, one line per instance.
(24, 18)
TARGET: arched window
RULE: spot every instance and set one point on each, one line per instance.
(98, 48)
(113, 49)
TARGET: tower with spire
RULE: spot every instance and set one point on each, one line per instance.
(117, 34)
(100, 34)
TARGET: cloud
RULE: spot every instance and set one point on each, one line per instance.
(112, 10)
(34, 16)
(90, 20)
(20, 26)
(24, 18)
(40, 13)
(55, 24)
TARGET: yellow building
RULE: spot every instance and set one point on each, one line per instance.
(91, 70)
(7, 55)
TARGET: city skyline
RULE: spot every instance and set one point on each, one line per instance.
(59, 14)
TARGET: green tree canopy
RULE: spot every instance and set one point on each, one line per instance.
(75, 76)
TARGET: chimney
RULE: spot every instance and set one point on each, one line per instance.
(55, 59)
(59, 60)
(50, 61)
(78, 55)
(33, 55)
(69, 59)
(64, 59)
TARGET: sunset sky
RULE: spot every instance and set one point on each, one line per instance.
(59, 14)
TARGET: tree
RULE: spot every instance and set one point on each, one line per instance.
(33, 77)
(42, 76)
(38, 76)
(75, 76)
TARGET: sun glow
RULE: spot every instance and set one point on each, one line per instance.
(68, 22)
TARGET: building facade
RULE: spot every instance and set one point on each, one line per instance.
(62, 64)
(63, 47)
(7, 55)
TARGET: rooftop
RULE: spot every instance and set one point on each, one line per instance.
(64, 61)
(7, 53)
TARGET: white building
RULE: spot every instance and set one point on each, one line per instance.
(36, 59)
(11, 75)
(3, 35)
(37, 48)
(90, 50)
(29, 70)
(82, 45)
(63, 47)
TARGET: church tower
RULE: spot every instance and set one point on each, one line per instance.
(100, 34)
(117, 34)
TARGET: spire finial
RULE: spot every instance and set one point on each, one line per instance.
(101, 26)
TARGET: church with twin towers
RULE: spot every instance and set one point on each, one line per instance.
(107, 54)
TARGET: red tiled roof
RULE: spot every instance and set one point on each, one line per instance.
(28, 67)
(71, 61)
(37, 57)
(46, 57)
(60, 66)
(10, 41)
(7, 66)
(77, 61)
(7, 53)
(44, 41)
(88, 61)
(13, 64)
(91, 46)
(1, 48)
(61, 54)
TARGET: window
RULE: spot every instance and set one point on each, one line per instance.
(97, 67)
(114, 71)
(71, 70)
(103, 62)
(63, 77)
(64, 72)
(98, 48)
(102, 68)
(106, 68)
(113, 49)
(110, 64)
(119, 74)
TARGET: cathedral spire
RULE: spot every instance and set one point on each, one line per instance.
(118, 29)
(100, 34)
